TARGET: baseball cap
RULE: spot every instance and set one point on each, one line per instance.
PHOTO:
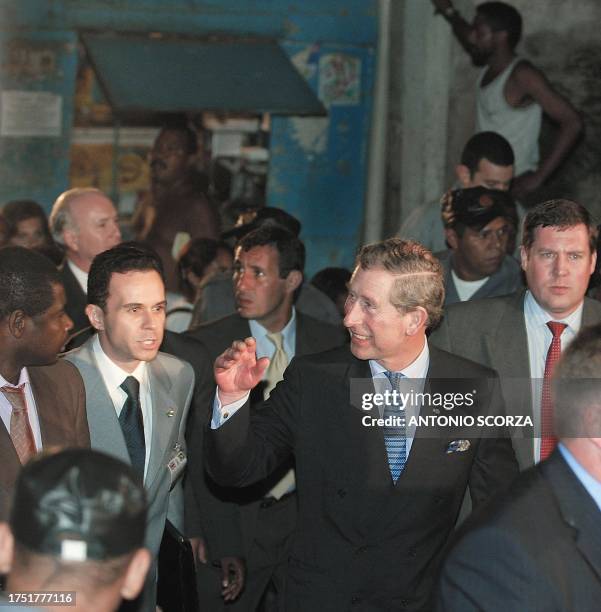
(476, 207)
(266, 216)
(79, 504)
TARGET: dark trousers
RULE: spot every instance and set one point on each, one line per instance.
(265, 565)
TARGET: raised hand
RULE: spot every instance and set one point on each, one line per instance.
(237, 370)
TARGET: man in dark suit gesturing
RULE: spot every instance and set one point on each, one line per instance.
(539, 546)
(268, 270)
(378, 497)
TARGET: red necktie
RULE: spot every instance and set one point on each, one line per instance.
(548, 439)
(20, 430)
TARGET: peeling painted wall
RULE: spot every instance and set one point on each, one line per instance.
(318, 167)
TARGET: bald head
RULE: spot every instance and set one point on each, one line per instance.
(85, 222)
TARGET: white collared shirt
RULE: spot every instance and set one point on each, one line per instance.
(416, 371)
(539, 341)
(80, 275)
(113, 376)
(6, 408)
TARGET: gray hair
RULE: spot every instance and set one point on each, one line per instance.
(60, 217)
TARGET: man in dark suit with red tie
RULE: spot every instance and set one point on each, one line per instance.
(521, 335)
(378, 494)
(538, 546)
(42, 401)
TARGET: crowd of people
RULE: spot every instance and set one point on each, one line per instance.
(422, 432)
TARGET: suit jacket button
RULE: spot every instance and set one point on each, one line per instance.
(412, 552)
(361, 550)
(341, 493)
(404, 603)
(355, 600)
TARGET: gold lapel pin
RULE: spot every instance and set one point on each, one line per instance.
(170, 413)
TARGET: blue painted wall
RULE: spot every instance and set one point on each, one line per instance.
(317, 168)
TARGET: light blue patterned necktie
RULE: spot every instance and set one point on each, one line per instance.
(395, 437)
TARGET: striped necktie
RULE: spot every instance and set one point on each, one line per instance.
(395, 437)
(20, 430)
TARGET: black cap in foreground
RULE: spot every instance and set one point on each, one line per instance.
(79, 504)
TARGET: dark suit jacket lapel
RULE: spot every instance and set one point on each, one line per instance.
(11, 465)
(370, 440)
(306, 342)
(46, 394)
(428, 449)
(577, 507)
(591, 312)
(507, 342)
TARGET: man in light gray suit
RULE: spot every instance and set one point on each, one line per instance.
(137, 398)
(511, 333)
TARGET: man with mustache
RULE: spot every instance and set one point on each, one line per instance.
(478, 223)
(177, 201)
(137, 398)
(512, 94)
(42, 400)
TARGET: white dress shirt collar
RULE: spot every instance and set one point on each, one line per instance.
(416, 369)
(111, 372)
(537, 316)
(80, 275)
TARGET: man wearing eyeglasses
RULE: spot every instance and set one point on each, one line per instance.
(478, 222)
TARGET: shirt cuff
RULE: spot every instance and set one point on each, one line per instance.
(221, 414)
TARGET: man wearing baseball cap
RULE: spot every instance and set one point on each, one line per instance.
(478, 222)
(76, 534)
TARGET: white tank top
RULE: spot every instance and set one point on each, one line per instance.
(520, 126)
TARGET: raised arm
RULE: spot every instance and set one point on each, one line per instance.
(461, 28)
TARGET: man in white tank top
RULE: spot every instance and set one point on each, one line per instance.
(511, 93)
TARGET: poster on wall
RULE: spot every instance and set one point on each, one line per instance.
(92, 162)
(27, 114)
(339, 79)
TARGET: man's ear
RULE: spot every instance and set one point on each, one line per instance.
(135, 574)
(294, 280)
(7, 545)
(96, 316)
(17, 320)
(417, 318)
(463, 174)
(524, 257)
(452, 238)
(71, 239)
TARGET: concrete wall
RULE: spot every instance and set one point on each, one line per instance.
(561, 37)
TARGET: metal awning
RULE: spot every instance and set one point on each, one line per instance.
(160, 75)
